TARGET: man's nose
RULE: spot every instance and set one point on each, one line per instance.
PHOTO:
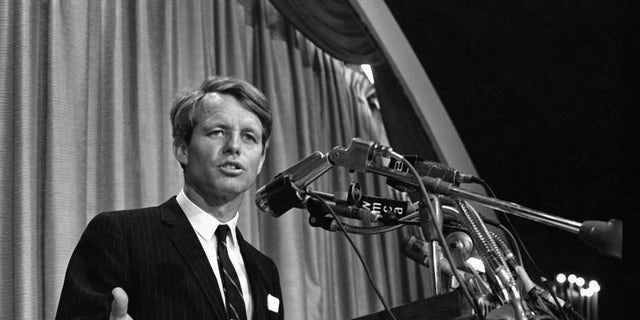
(232, 143)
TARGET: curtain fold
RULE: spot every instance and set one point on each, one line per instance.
(23, 37)
(334, 26)
(85, 95)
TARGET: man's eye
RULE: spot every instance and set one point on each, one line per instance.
(216, 133)
(251, 137)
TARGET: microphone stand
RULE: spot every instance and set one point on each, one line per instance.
(435, 270)
(606, 237)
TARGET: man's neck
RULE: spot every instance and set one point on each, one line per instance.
(221, 209)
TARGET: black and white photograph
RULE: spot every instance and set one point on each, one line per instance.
(319, 159)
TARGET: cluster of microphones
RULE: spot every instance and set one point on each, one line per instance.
(289, 189)
(414, 175)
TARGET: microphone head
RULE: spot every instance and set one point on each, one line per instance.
(437, 170)
(426, 169)
(277, 196)
(604, 236)
(461, 246)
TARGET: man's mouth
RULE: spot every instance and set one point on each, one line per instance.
(231, 166)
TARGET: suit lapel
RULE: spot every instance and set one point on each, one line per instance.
(256, 278)
(186, 242)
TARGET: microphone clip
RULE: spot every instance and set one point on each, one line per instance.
(358, 155)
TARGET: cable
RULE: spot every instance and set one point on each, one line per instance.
(379, 229)
(512, 239)
(524, 248)
(545, 283)
(506, 216)
(369, 230)
(441, 237)
(398, 222)
(366, 269)
(476, 274)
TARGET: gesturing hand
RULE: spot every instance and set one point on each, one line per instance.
(119, 305)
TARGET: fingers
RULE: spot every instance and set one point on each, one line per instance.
(119, 305)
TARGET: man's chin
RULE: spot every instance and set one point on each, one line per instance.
(224, 192)
(231, 190)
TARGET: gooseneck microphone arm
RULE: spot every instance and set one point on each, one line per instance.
(604, 236)
(448, 189)
(505, 206)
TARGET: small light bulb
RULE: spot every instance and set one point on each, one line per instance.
(586, 292)
(571, 278)
(561, 278)
(580, 281)
(589, 292)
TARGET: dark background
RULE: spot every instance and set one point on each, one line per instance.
(543, 94)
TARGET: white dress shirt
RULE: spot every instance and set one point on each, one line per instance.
(205, 226)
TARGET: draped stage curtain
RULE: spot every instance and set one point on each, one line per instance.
(334, 26)
(85, 92)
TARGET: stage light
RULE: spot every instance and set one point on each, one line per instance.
(572, 278)
(594, 285)
(580, 281)
(561, 278)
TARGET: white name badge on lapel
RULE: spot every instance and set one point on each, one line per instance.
(273, 303)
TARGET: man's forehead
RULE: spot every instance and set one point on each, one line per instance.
(216, 110)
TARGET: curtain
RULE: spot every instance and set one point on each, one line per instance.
(334, 26)
(84, 109)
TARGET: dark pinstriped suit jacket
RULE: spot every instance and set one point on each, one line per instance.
(155, 256)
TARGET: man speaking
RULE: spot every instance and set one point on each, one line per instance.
(185, 259)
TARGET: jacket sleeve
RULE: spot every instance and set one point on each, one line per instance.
(98, 264)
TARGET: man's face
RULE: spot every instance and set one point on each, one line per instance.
(225, 153)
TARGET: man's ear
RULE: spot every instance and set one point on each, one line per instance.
(180, 150)
(263, 156)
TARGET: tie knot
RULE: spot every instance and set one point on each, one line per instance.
(221, 232)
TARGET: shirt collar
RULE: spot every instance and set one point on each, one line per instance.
(203, 223)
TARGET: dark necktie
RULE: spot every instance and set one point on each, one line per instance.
(230, 282)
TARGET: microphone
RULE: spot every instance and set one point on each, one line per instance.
(359, 154)
(604, 236)
(352, 204)
(534, 290)
(418, 251)
(428, 169)
(281, 193)
(317, 209)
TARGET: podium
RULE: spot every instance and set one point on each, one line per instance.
(447, 306)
